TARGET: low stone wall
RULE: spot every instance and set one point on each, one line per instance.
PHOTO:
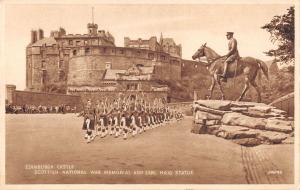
(245, 123)
(44, 99)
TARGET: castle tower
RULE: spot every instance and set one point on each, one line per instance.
(92, 28)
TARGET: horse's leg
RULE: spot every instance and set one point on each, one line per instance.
(253, 83)
(211, 88)
(221, 89)
(246, 87)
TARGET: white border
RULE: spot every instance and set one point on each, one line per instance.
(157, 186)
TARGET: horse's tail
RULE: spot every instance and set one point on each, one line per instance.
(263, 66)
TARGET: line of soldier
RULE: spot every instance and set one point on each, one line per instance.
(120, 118)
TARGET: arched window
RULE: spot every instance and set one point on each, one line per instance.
(74, 52)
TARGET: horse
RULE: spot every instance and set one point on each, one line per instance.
(247, 66)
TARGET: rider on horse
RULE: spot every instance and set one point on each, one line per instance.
(232, 55)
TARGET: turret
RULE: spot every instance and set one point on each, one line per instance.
(92, 28)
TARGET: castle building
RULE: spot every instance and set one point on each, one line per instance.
(90, 64)
(166, 45)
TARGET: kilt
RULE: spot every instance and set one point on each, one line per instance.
(128, 121)
(91, 127)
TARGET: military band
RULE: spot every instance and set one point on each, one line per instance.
(125, 118)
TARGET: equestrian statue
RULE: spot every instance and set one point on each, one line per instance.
(230, 66)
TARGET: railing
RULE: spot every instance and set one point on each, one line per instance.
(285, 103)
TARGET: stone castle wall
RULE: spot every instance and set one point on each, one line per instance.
(87, 65)
(45, 65)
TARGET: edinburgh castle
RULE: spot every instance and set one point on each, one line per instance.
(90, 64)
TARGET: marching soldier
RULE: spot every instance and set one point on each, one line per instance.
(89, 121)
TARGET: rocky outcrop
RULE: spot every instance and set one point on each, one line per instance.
(245, 123)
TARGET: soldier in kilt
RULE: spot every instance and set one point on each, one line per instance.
(89, 121)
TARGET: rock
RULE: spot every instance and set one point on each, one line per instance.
(278, 111)
(209, 110)
(243, 120)
(272, 137)
(212, 122)
(279, 125)
(254, 113)
(207, 116)
(245, 104)
(261, 108)
(239, 109)
(213, 129)
(223, 105)
(235, 132)
(200, 121)
(199, 129)
(273, 114)
(247, 141)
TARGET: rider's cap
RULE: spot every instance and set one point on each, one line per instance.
(229, 33)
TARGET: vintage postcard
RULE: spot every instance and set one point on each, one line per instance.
(173, 95)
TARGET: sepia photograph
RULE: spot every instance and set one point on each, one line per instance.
(143, 93)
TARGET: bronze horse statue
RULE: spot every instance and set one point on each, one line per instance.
(247, 66)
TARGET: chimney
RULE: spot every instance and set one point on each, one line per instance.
(40, 34)
(33, 36)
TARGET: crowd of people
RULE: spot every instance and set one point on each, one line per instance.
(123, 117)
(33, 109)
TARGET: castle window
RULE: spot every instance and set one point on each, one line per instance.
(162, 57)
(44, 75)
(43, 53)
(78, 43)
(121, 51)
(60, 64)
(104, 50)
(151, 55)
(74, 52)
(138, 53)
(108, 66)
(85, 42)
(61, 75)
(70, 42)
(43, 64)
(87, 50)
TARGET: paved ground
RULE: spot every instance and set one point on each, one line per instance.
(155, 156)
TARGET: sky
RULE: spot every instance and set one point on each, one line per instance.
(190, 25)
